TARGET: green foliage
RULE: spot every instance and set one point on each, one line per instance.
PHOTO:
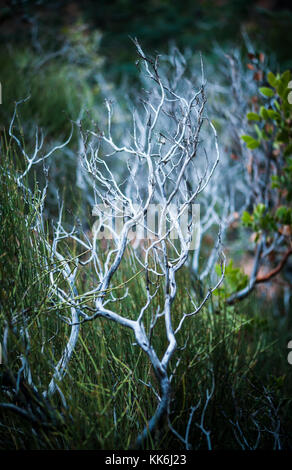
(260, 220)
(284, 180)
(250, 141)
(252, 117)
(235, 279)
(278, 113)
(284, 215)
(267, 91)
(273, 128)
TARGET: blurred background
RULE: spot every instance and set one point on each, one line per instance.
(196, 24)
(79, 48)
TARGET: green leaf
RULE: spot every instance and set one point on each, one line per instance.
(281, 88)
(267, 91)
(272, 79)
(259, 211)
(250, 141)
(253, 145)
(258, 131)
(247, 138)
(284, 215)
(253, 117)
(275, 184)
(273, 114)
(246, 218)
(285, 78)
(264, 112)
